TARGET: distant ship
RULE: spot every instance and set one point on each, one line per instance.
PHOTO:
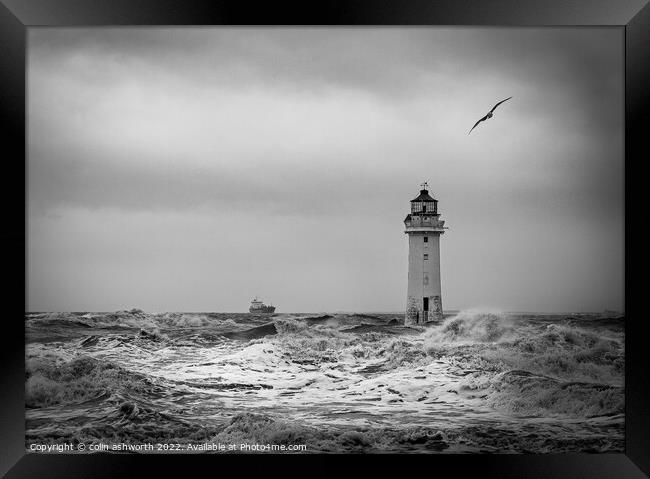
(258, 306)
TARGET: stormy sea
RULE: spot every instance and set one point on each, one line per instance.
(477, 382)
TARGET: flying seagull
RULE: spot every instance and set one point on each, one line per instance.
(489, 115)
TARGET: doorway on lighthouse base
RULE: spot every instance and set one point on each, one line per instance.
(425, 310)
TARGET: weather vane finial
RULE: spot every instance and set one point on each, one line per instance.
(425, 186)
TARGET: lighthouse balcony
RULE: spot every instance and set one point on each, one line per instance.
(410, 230)
(424, 223)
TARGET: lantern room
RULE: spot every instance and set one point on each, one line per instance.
(424, 203)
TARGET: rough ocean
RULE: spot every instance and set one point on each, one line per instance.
(479, 382)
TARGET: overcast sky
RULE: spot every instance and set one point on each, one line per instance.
(190, 169)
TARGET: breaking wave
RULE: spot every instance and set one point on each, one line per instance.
(533, 370)
(471, 326)
(77, 380)
(525, 393)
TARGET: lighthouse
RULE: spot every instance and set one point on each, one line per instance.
(424, 227)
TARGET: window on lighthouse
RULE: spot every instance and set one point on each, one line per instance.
(426, 239)
(426, 256)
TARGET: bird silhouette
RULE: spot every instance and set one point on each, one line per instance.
(489, 115)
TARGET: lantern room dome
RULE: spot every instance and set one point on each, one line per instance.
(424, 196)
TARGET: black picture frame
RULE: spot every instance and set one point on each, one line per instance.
(16, 16)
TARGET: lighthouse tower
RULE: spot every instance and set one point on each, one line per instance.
(424, 227)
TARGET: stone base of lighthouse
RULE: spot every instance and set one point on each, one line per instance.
(416, 314)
